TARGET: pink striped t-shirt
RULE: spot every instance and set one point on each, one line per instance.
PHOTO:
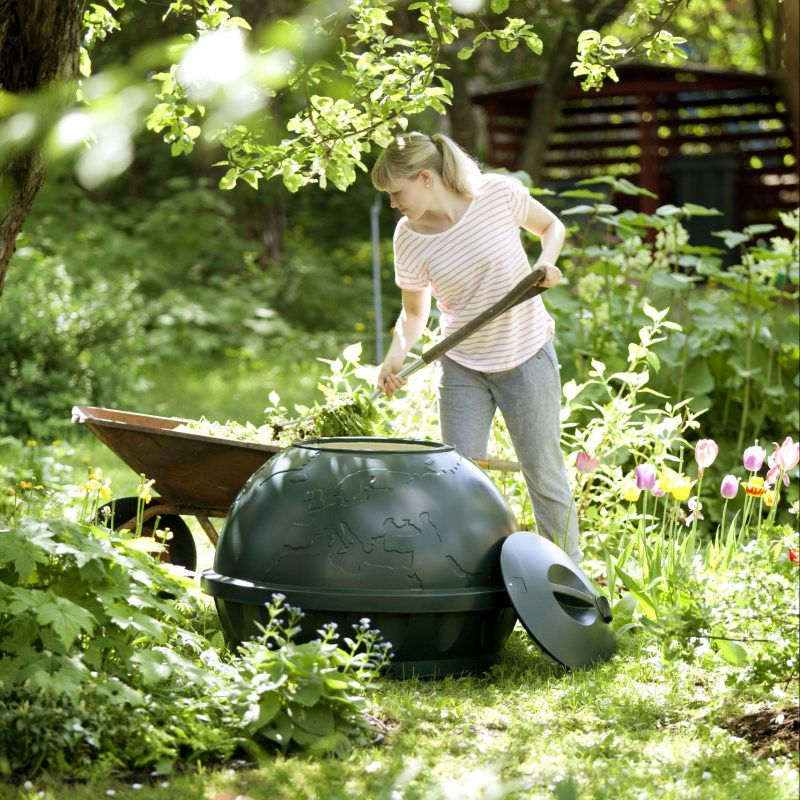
(469, 267)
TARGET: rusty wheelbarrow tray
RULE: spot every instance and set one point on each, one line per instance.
(195, 475)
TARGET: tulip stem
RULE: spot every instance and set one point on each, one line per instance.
(775, 498)
(722, 526)
(643, 526)
(696, 510)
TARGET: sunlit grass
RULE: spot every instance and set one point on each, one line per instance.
(230, 389)
(630, 728)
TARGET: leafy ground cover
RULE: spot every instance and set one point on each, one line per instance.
(633, 727)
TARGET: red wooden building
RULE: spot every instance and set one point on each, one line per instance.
(688, 134)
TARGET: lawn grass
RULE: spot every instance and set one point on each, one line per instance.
(630, 728)
(231, 388)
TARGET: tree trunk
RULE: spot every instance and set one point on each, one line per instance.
(786, 36)
(546, 106)
(39, 46)
(545, 113)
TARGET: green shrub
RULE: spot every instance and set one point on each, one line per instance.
(317, 288)
(64, 344)
(737, 352)
(108, 660)
(181, 234)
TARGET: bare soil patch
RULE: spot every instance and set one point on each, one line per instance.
(767, 729)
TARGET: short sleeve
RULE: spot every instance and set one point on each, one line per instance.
(518, 198)
(410, 267)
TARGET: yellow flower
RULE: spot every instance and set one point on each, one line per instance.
(629, 490)
(754, 487)
(768, 499)
(143, 489)
(682, 488)
(666, 480)
(95, 474)
(25, 485)
(31, 443)
(105, 493)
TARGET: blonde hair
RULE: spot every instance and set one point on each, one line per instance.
(410, 153)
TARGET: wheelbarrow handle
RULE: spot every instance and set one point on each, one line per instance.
(528, 287)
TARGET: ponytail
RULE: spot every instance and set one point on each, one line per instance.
(410, 153)
(459, 171)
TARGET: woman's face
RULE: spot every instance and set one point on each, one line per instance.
(410, 196)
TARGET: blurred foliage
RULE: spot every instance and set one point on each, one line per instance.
(144, 285)
(65, 342)
(302, 96)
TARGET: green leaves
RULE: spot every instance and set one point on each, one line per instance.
(595, 54)
(508, 39)
(259, 715)
(67, 618)
(23, 552)
(645, 597)
(735, 596)
(360, 85)
(308, 695)
(112, 670)
(731, 651)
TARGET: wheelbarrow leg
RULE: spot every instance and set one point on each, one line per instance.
(210, 530)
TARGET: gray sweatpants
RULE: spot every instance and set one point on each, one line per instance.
(529, 398)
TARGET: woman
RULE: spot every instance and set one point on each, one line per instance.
(459, 241)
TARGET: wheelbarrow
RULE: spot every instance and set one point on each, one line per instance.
(195, 475)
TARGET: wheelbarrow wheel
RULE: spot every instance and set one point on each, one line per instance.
(180, 549)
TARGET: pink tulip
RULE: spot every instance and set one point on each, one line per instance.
(787, 455)
(705, 452)
(774, 474)
(753, 458)
(646, 477)
(730, 487)
(585, 463)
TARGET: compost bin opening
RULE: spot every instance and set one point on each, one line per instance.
(373, 445)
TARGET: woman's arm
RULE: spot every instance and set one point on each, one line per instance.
(543, 223)
(410, 325)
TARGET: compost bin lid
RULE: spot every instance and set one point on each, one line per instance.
(555, 602)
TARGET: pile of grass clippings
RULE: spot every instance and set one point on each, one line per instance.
(351, 414)
(348, 415)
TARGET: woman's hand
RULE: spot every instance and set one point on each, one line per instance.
(552, 275)
(410, 324)
(389, 381)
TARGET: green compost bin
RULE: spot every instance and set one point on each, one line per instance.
(406, 533)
